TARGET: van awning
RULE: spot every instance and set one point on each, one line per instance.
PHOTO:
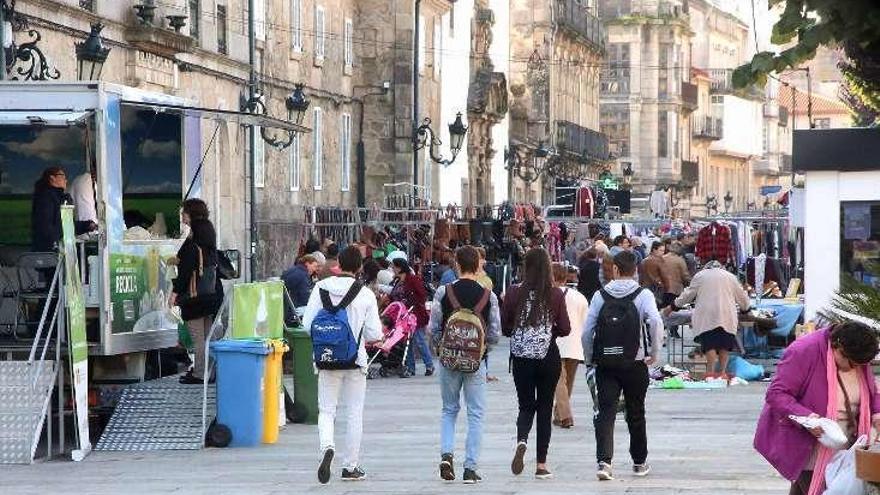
(43, 118)
(242, 118)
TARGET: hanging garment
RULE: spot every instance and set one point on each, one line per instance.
(585, 203)
(714, 243)
(659, 203)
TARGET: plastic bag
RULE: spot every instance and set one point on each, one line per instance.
(832, 435)
(840, 475)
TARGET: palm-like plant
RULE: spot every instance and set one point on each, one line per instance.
(855, 298)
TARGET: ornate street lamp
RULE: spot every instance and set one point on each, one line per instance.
(425, 136)
(91, 55)
(527, 165)
(728, 202)
(712, 204)
(25, 60)
(297, 103)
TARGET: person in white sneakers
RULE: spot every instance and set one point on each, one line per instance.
(618, 343)
(342, 314)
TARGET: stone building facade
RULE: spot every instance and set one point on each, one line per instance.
(340, 50)
(557, 51)
(646, 95)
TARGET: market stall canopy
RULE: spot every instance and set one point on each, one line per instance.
(46, 118)
(242, 118)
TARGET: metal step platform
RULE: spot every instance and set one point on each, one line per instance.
(25, 391)
(158, 415)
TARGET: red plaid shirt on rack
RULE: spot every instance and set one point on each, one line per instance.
(714, 243)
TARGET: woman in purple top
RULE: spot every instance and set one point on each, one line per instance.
(832, 363)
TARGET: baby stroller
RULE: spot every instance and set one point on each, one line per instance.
(399, 324)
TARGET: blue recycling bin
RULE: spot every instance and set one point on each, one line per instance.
(240, 366)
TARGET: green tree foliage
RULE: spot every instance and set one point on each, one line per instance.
(852, 24)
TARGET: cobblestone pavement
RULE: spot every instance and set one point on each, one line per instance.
(700, 443)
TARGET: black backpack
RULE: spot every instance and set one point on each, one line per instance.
(618, 331)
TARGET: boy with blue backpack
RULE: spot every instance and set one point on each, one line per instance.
(341, 315)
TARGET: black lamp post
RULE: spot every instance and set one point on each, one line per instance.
(91, 55)
(728, 202)
(425, 136)
(627, 175)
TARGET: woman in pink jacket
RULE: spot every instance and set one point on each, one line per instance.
(824, 374)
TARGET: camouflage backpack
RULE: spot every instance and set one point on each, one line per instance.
(464, 336)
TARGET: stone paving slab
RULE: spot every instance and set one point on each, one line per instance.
(700, 443)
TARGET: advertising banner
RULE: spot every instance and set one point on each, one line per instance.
(258, 310)
(74, 302)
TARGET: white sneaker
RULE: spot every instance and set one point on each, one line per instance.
(641, 470)
(604, 472)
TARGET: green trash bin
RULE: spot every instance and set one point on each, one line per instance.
(304, 406)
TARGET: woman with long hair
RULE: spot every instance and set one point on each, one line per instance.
(197, 288)
(410, 290)
(533, 316)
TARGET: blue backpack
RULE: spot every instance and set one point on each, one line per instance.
(333, 342)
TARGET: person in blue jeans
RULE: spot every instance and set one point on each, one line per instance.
(469, 295)
(409, 289)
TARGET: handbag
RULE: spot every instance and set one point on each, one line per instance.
(202, 282)
(227, 269)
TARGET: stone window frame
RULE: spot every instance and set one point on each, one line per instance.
(260, 19)
(194, 9)
(259, 151)
(296, 25)
(222, 29)
(348, 45)
(345, 151)
(318, 149)
(295, 164)
(320, 35)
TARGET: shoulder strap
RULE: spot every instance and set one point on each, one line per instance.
(483, 302)
(605, 295)
(453, 300)
(352, 293)
(632, 296)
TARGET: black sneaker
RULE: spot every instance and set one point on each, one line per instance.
(471, 477)
(356, 474)
(324, 468)
(407, 373)
(516, 466)
(543, 474)
(429, 371)
(190, 379)
(447, 468)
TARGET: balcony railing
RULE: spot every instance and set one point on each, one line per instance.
(690, 96)
(785, 164)
(722, 83)
(581, 141)
(768, 165)
(783, 116)
(574, 16)
(707, 127)
(690, 172)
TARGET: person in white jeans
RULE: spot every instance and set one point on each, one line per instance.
(348, 386)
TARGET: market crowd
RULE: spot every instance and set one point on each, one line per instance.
(602, 305)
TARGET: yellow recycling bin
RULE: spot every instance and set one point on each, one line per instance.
(272, 390)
